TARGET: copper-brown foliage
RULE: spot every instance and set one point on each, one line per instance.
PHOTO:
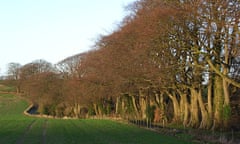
(126, 55)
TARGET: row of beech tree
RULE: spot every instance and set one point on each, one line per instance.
(172, 61)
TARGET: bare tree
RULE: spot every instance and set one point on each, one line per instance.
(14, 71)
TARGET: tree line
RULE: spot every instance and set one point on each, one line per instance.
(172, 62)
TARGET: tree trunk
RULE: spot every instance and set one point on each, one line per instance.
(96, 109)
(176, 107)
(162, 107)
(143, 104)
(123, 111)
(218, 102)
(135, 106)
(210, 103)
(18, 89)
(76, 110)
(184, 109)
(194, 120)
(205, 122)
(226, 93)
(225, 72)
(117, 105)
(160, 115)
(226, 105)
(100, 110)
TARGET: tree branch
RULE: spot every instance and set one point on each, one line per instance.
(231, 81)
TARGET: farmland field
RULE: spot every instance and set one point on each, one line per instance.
(16, 128)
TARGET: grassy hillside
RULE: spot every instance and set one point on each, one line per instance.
(15, 128)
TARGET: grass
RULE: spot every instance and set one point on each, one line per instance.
(15, 128)
(4, 88)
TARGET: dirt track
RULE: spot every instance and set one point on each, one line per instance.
(22, 139)
(44, 139)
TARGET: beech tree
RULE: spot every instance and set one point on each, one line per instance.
(202, 42)
(184, 50)
(169, 61)
(70, 65)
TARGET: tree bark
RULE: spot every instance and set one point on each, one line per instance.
(226, 103)
(218, 102)
(194, 120)
(210, 103)
(205, 121)
(96, 109)
(76, 110)
(185, 109)
(117, 105)
(176, 107)
(143, 104)
(135, 106)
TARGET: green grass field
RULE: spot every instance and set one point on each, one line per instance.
(16, 128)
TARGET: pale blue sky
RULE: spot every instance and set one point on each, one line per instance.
(53, 29)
